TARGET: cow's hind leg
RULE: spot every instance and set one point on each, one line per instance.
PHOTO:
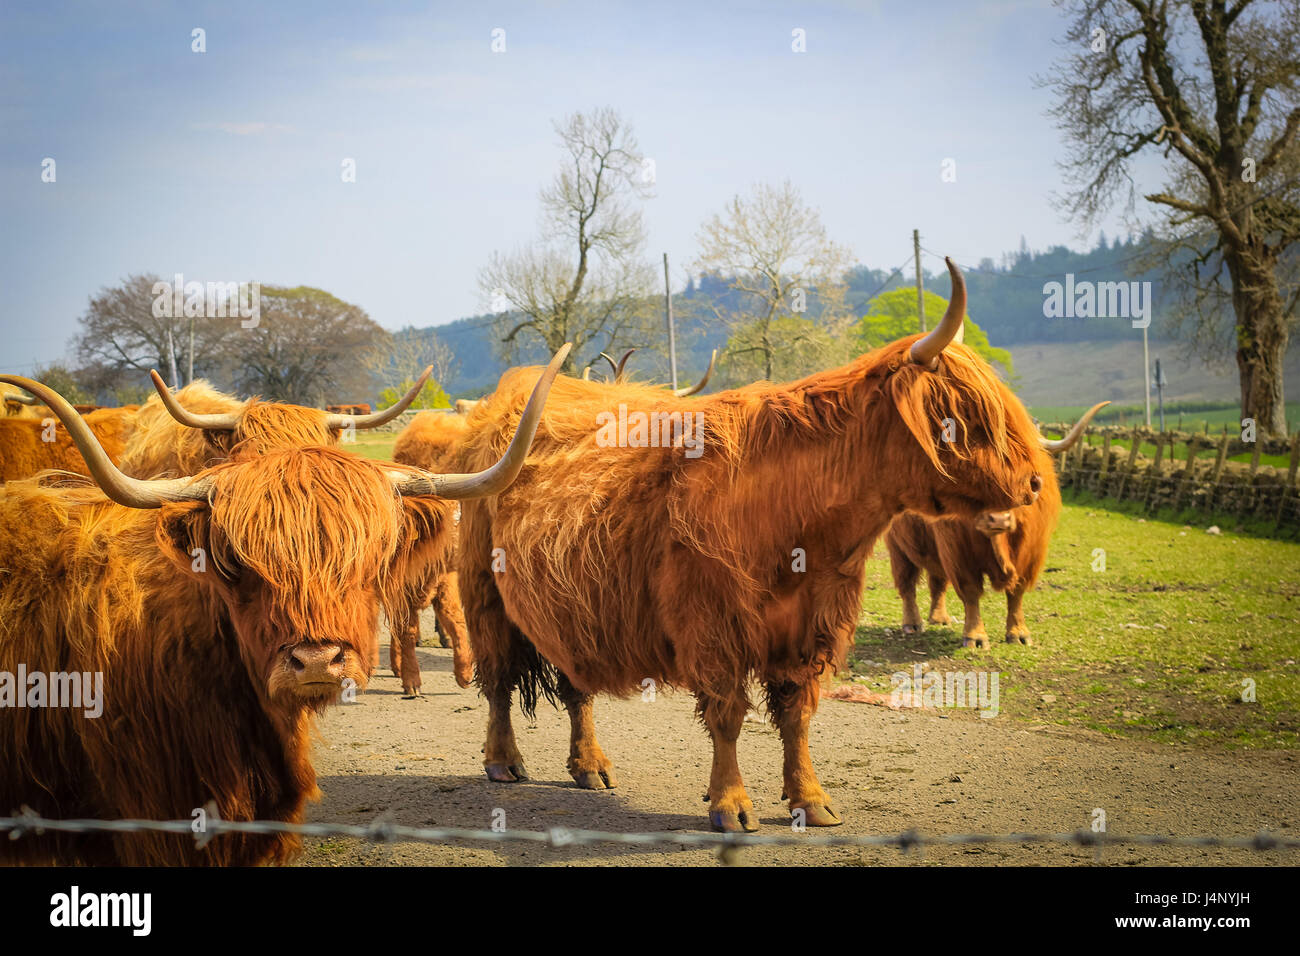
(792, 706)
(730, 809)
(501, 653)
(906, 574)
(588, 765)
(972, 632)
(939, 600)
(1017, 630)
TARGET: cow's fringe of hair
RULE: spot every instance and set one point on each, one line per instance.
(163, 447)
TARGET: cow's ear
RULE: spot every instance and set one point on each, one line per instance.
(184, 533)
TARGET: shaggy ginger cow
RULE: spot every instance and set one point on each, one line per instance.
(182, 433)
(1008, 547)
(223, 612)
(430, 441)
(607, 564)
(24, 449)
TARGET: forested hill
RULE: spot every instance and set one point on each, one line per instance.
(1005, 297)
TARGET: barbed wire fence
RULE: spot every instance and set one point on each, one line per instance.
(727, 845)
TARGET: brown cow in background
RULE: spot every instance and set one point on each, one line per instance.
(1009, 548)
(221, 613)
(429, 442)
(24, 450)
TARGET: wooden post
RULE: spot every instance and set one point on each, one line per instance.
(1189, 471)
(1104, 473)
(1130, 464)
(1154, 475)
(1218, 468)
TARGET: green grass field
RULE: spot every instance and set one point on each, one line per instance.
(1161, 644)
(378, 445)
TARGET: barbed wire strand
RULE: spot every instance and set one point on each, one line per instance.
(382, 830)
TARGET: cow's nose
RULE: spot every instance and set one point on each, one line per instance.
(991, 522)
(317, 663)
(1035, 486)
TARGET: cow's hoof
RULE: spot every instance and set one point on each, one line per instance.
(733, 821)
(444, 641)
(410, 693)
(940, 620)
(975, 640)
(506, 773)
(1019, 637)
(596, 779)
(911, 628)
(818, 815)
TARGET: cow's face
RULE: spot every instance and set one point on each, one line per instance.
(297, 545)
(979, 449)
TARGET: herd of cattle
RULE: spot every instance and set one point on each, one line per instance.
(223, 564)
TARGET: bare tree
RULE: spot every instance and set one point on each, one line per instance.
(309, 348)
(585, 282)
(123, 332)
(1215, 87)
(786, 308)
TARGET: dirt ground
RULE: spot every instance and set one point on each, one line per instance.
(419, 763)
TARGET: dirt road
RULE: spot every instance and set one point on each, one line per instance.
(419, 762)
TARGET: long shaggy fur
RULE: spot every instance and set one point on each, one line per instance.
(628, 563)
(162, 446)
(23, 452)
(300, 545)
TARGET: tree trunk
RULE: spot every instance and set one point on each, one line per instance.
(1261, 340)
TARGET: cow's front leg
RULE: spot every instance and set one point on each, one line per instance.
(906, 574)
(451, 618)
(1017, 630)
(405, 635)
(502, 761)
(792, 706)
(730, 809)
(588, 765)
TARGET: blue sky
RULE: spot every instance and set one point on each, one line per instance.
(226, 165)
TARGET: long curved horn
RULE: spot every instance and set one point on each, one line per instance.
(586, 374)
(613, 366)
(699, 386)
(222, 421)
(388, 414)
(1064, 444)
(619, 375)
(22, 399)
(125, 490)
(926, 351)
(498, 477)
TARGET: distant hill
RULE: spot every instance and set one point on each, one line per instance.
(1059, 361)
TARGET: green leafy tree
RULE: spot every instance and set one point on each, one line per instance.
(431, 396)
(892, 315)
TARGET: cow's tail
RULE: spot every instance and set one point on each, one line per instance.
(536, 677)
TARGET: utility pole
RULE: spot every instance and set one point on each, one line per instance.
(668, 311)
(920, 288)
(1146, 366)
(171, 352)
(189, 377)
